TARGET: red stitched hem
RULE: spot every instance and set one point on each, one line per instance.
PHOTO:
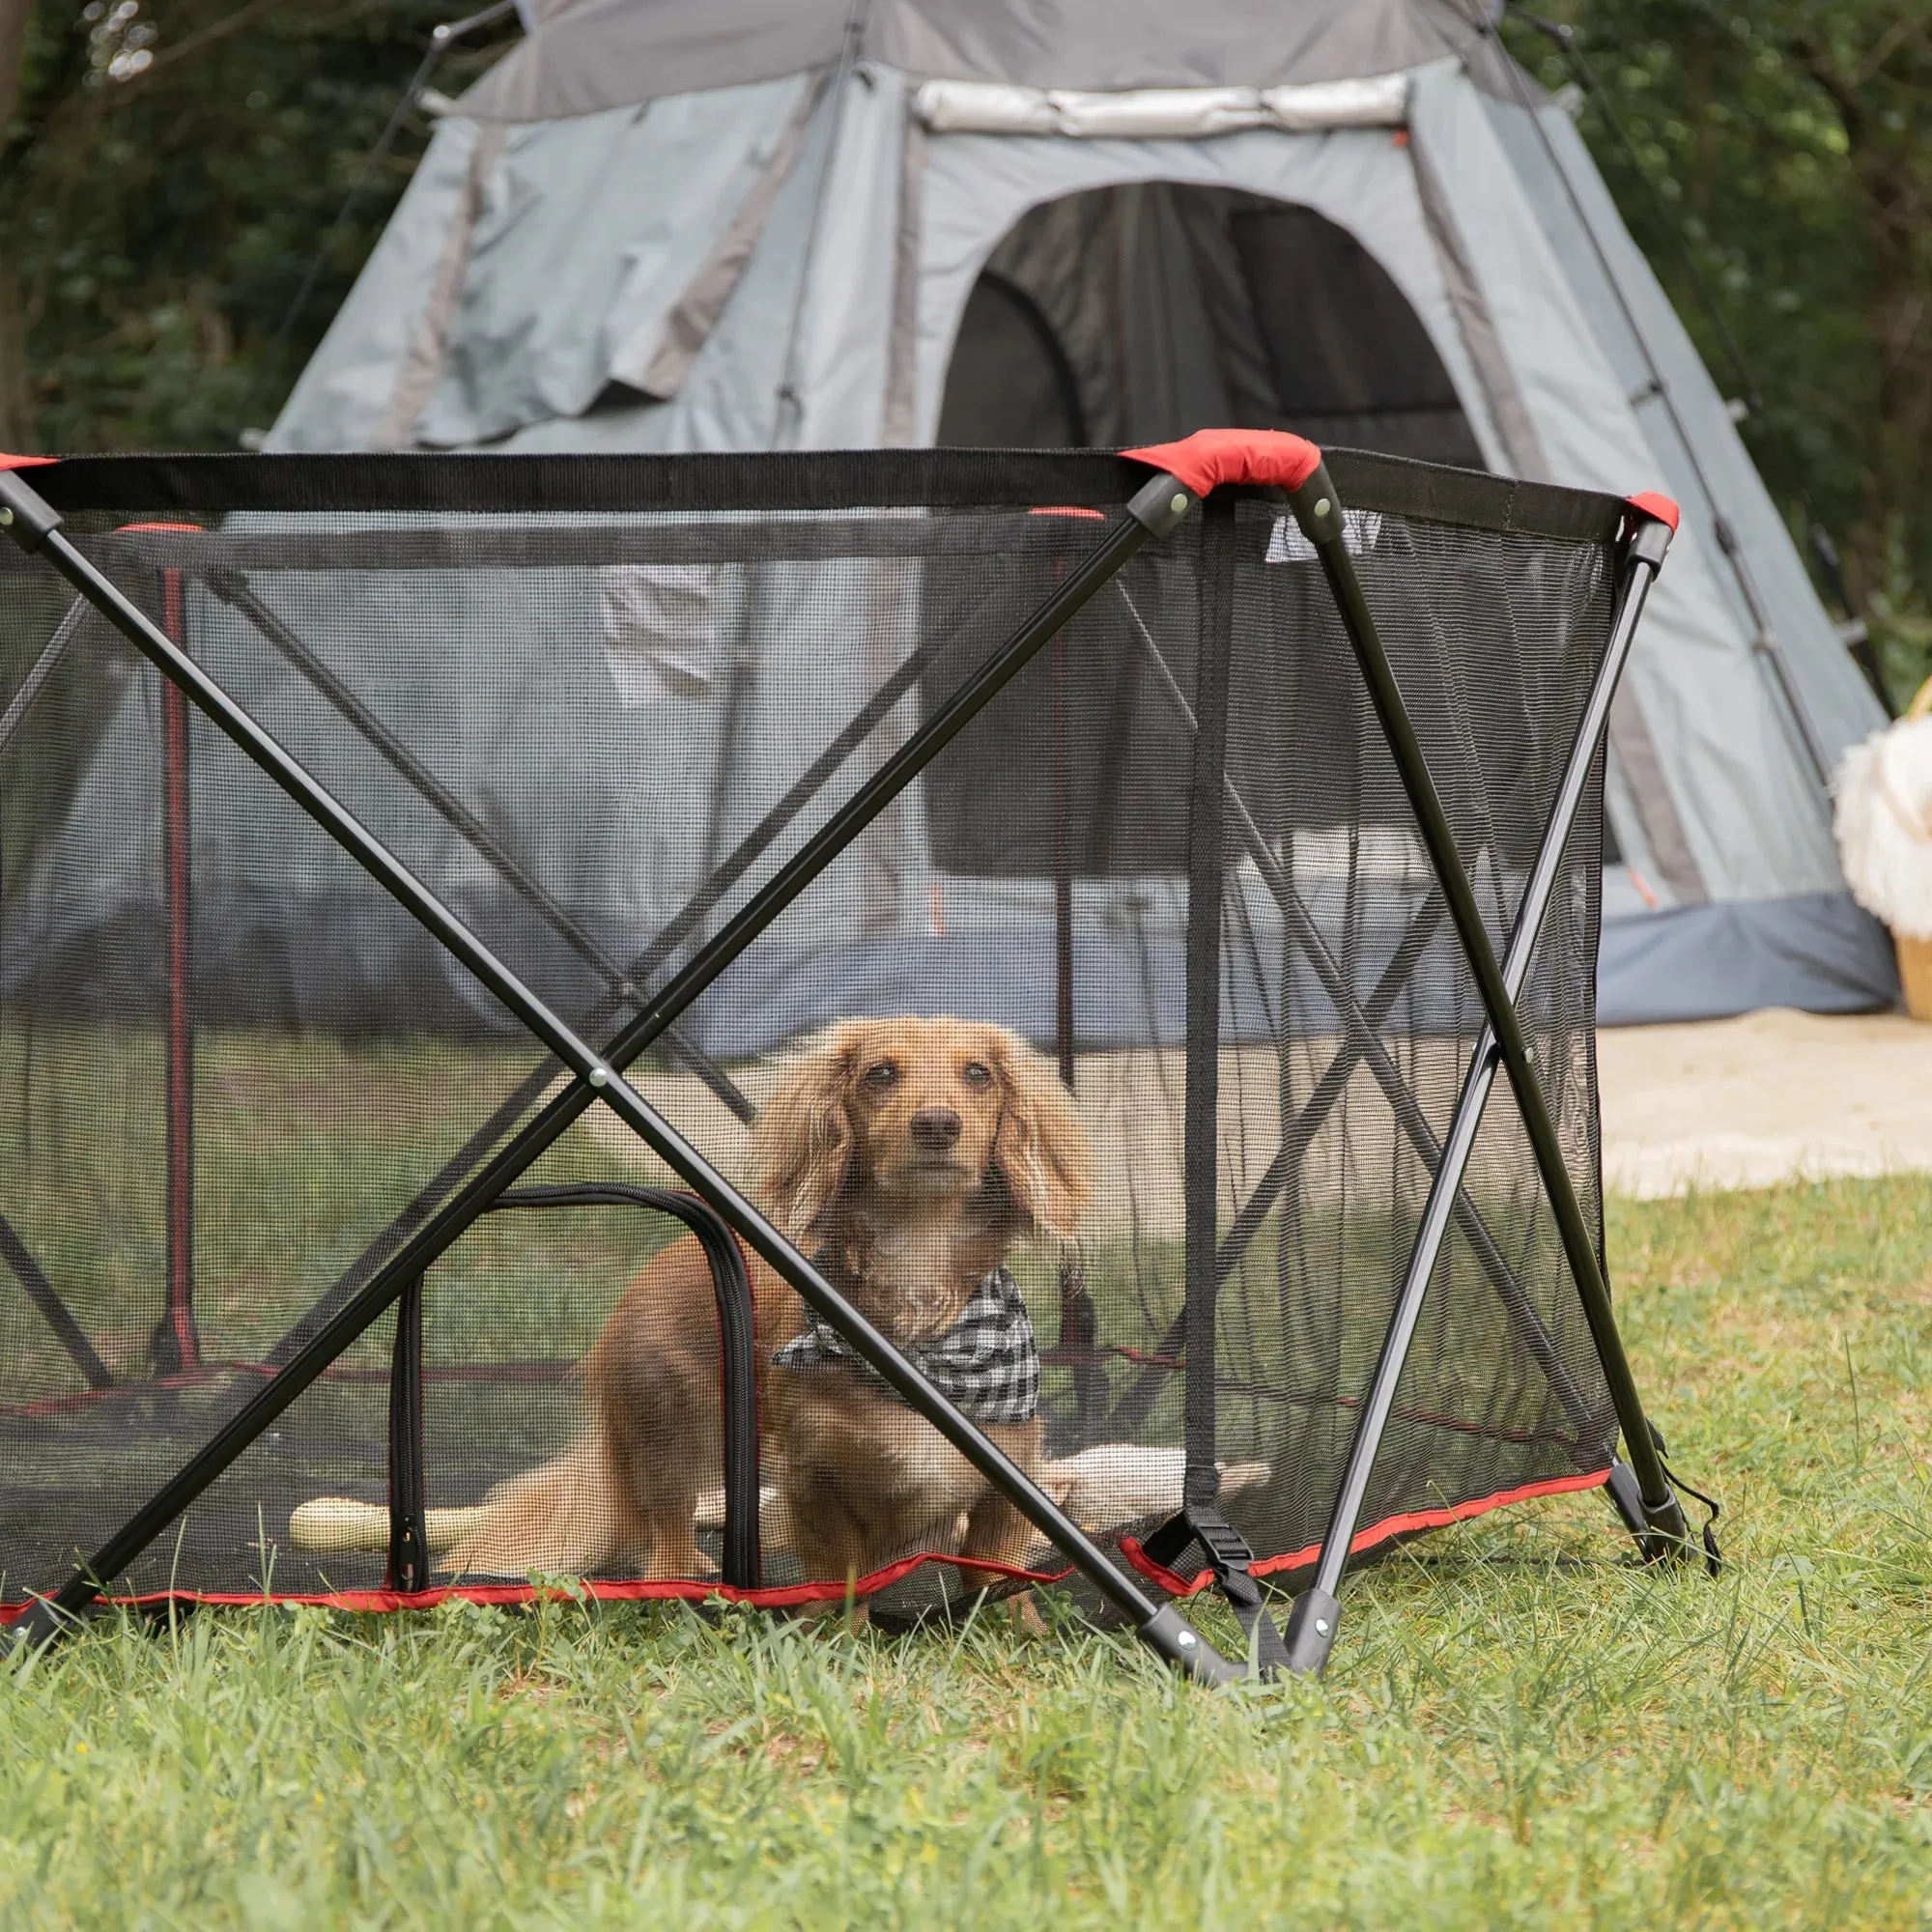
(679, 1590)
(1366, 1539)
(791, 1595)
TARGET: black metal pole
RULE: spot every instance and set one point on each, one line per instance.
(1312, 1624)
(1155, 508)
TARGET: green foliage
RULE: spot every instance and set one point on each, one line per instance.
(1520, 1729)
(157, 228)
(1789, 146)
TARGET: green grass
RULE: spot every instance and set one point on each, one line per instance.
(1518, 1728)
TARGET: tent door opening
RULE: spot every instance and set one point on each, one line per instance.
(1135, 313)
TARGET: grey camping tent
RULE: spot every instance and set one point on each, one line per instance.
(835, 223)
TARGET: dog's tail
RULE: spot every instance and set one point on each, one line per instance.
(568, 1518)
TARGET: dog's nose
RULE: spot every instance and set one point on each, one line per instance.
(935, 1129)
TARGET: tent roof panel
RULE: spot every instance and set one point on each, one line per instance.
(588, 55)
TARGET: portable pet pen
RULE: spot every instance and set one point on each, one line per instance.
(347, 1043)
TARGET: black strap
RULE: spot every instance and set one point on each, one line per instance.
(1266, 1651)
(1205, 865)
(1714, 1557)
(1200, 1521)
(1232, 1561)
(409, 1528)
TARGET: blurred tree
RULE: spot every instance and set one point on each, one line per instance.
(1790, 143)
(168, 168)
(15, 429)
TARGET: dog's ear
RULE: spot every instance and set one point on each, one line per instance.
(1042, 1146)
(802, 1140)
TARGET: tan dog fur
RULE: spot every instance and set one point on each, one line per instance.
(846, 1160)
(907, 1231)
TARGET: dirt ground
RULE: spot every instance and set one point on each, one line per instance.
(1731, 1103)
(1767, 1097)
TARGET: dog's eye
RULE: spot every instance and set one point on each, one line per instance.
(978, 1073)
(881, 1074)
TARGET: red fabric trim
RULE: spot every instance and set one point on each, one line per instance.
(691, 1591)
(1366, 1539)
(1214, 456)
(793, 1594)
(24, 462)
(1067, 510)
(1651, 504)
(127, 529)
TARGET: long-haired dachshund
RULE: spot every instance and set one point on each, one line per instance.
(908, 1156)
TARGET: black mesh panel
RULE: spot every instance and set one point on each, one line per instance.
(595, 707)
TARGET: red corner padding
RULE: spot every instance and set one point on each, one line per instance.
(1212, 456)
(23, 462)
(1654, 505)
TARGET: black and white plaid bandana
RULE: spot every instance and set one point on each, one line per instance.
(987, 1364)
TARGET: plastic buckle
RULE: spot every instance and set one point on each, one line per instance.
(1230, 1558)
(1226, 1549)
(1221, 1543)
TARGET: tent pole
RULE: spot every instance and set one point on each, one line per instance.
(440, 41)
(1154, 510)
(1078, 1328)
(1311, 1630)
